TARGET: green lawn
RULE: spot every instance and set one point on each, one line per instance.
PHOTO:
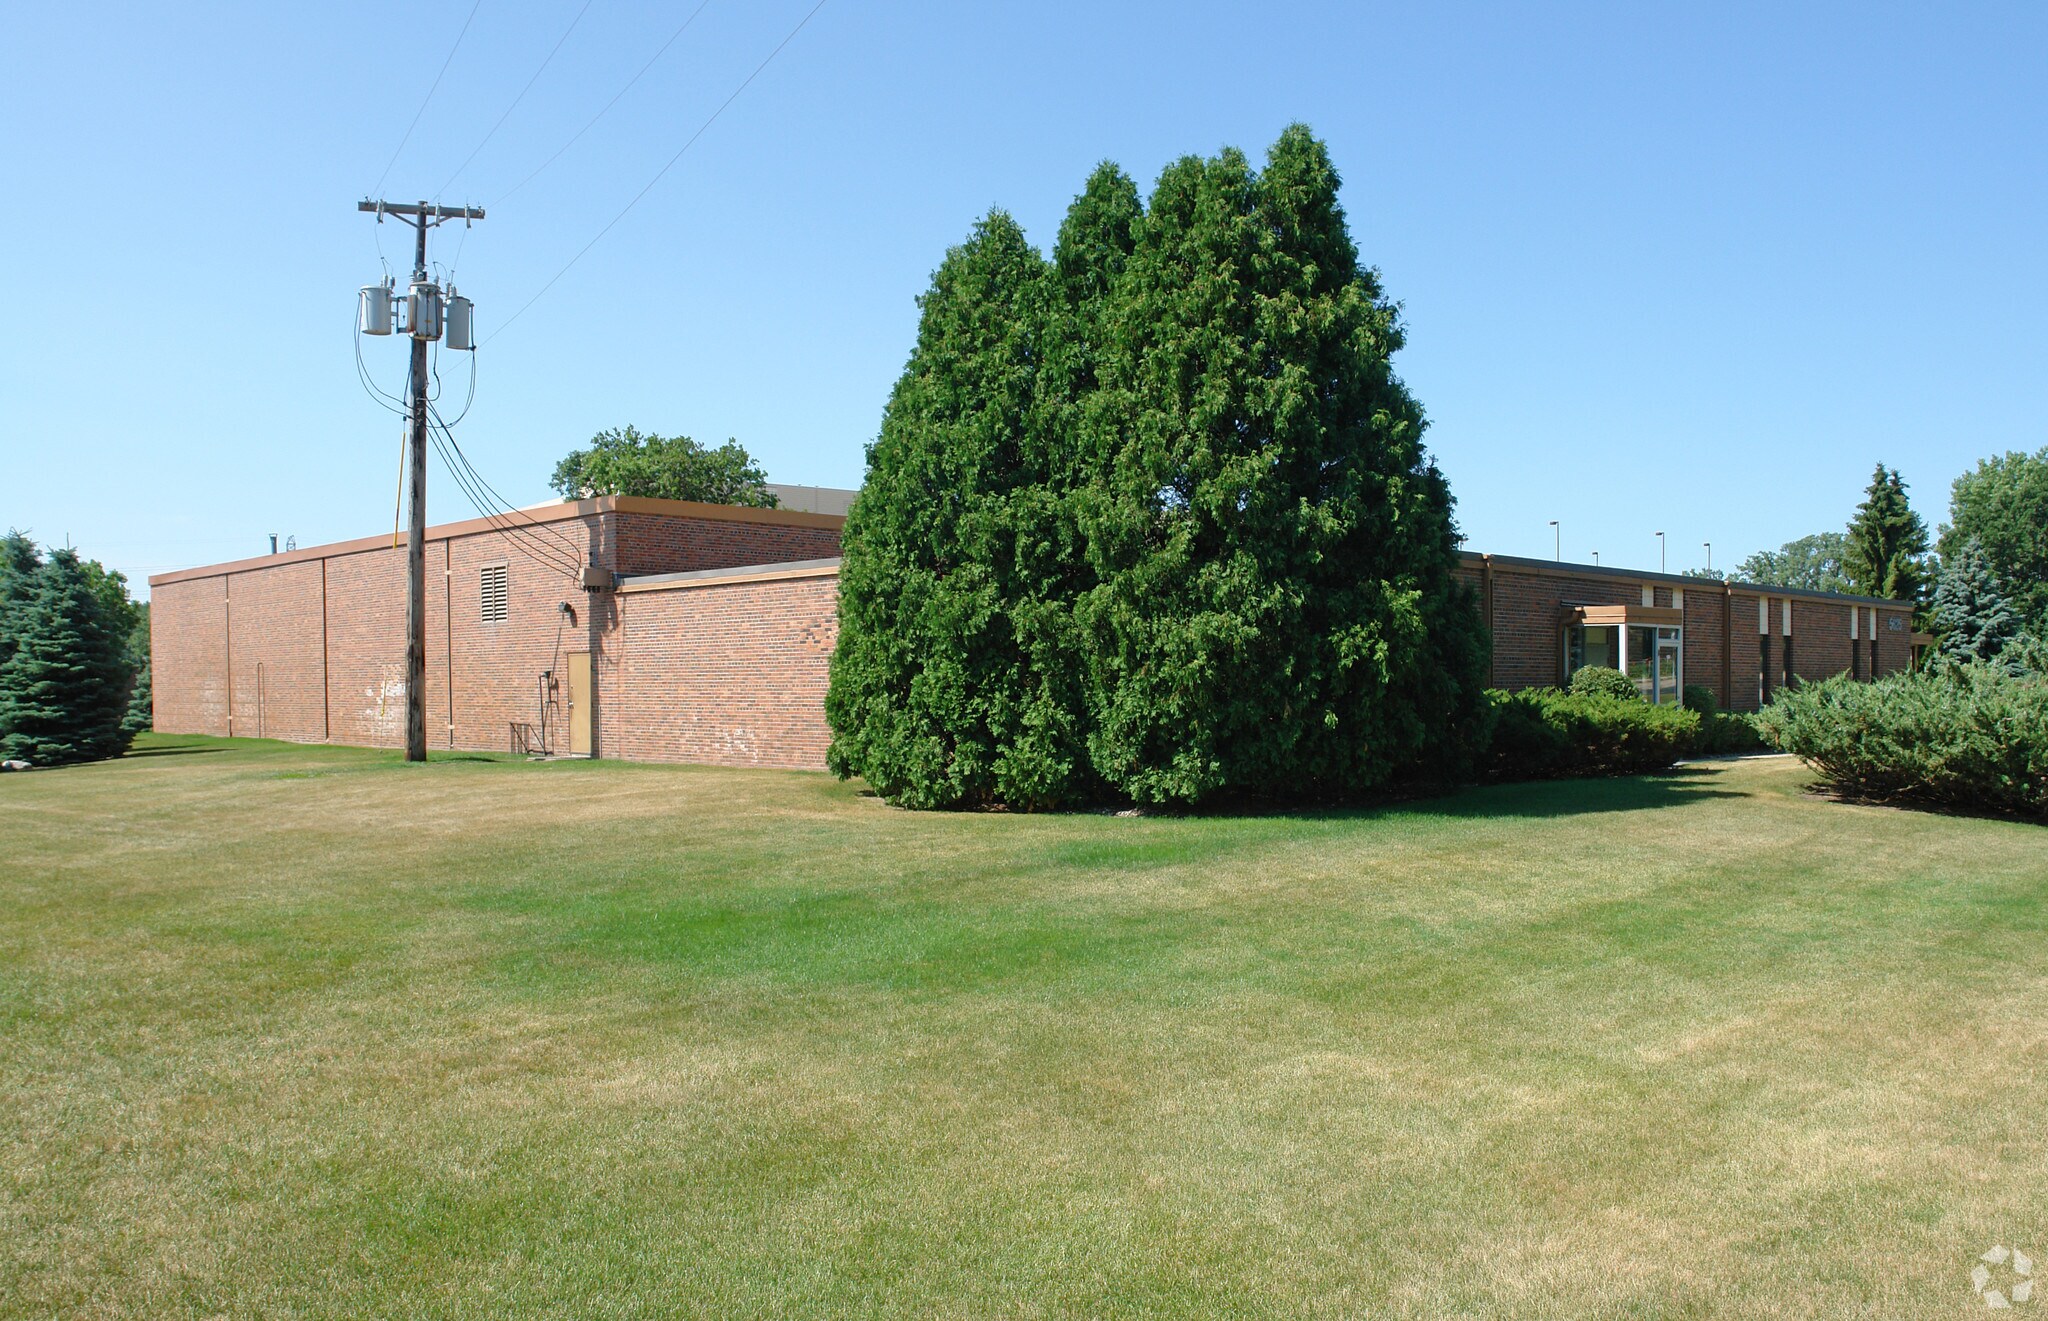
(298, 1031)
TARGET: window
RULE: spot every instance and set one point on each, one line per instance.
(496, 594)
(1763, 668)
(1790, 677)
(1596, 644)
(1653, 661)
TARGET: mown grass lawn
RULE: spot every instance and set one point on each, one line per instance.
(294, 1031)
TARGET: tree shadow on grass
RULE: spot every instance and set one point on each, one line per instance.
(166, 752)
(1535, 799)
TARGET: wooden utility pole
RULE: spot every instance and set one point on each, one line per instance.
(423, 318)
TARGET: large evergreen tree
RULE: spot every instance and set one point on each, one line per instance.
(1887, 542)
(1277, 611)
(64, 691)
(1154, 517)
(1973, 620)
(20, 561)
(935, 696)
(2003, 504)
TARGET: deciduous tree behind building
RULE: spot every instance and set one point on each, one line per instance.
(2002, 504)
(622, 461)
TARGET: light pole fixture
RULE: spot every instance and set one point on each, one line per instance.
(1660, 552)
(1556, 541)
(1596, 558)
(1710, 555)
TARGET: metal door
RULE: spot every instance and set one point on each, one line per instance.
(580, 704)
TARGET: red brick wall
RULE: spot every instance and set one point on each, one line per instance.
(730, 675)
(1746, 655)
(188, 656)
(1894, 646)
(660, 543)
(1820, 637)
(497, 664)
(1706, 615)
(326, 635)
(277, 654)
(1528, 620)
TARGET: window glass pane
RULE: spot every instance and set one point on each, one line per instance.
(1585, 646)
(1667, 672)
(1642, 659)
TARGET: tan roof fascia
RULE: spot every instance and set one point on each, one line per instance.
(566, 511)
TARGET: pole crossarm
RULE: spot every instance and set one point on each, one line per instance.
(421, 210)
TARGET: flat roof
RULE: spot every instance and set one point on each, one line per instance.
(559, 511)
(1574, 570)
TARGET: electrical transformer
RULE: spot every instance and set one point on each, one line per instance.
(374, 314)
(423, 310)
(461, 321)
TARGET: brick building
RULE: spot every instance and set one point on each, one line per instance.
(706, 630)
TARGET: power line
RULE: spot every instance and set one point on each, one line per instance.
(517, 538)
(701, 129)
(478, 488)
(578, 136)
(428, 97)
(517, 99)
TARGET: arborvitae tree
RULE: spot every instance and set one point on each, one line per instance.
(64, 691)
(1887, 541)
(1277, 611)
(1972, 618)
(1155, 518)
(934, 698)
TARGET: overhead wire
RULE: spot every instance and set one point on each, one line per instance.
(428, 97)
(552, 51)
(509, 510)
(662, 172)
(533, 549)
(486, 499)
(539, 551)
(592, 122)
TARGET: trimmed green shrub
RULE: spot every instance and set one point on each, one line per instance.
(1604, 681)
(1542, 733)
(1971, 737)
(1698, 697)
(1727, 732)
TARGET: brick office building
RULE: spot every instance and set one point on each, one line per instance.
(705, 631)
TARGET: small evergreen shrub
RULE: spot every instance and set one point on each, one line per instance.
(1968, 736)
(1604, 681)
(1543, 733)
(1698, 697)
(1728, 732)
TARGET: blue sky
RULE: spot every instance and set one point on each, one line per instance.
(1690, 270)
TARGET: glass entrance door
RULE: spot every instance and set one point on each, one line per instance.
(1667, 666)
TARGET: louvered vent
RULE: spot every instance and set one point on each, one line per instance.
(496, 596)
